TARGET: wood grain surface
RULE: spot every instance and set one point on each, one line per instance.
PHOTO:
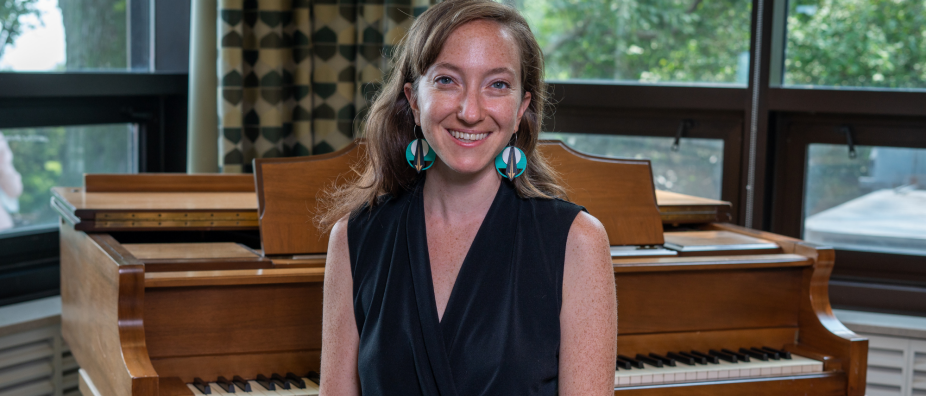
(234, 330)
(101, 317)
(619, 193)
(169, 182)
(202, 250)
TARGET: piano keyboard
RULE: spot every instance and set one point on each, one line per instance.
(276, 384)
(694, 366)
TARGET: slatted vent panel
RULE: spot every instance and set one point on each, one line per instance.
(887, 357)
(37, 363)
(918, 349)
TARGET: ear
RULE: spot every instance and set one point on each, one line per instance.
(412, 101)
(525, 102)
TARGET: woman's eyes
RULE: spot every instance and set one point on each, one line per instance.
(499, 85)
(444, 80)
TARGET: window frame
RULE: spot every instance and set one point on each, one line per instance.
(152, 97)
(758, 186)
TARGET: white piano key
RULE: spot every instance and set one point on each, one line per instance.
(311, 387)
(257, 387)
(218, 390)
(196, 391)
(681, 373)
(624, 380)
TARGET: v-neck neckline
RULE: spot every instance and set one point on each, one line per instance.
(454, 290)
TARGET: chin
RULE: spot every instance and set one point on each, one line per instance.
(468, 167)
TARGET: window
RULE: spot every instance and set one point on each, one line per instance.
(662, 41)
(56, 156)
(873, 202)
(696, 168)
(78, 93)
(65, 35)
(856, 43)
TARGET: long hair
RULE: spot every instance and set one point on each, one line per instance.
(388, 126)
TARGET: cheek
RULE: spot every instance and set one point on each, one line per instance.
(437, 104)
(504, 109)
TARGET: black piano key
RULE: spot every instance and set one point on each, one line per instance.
(202, 386)
(267, 383)
(753, 354)
(281, 381)
(697, 359)
(296, 380)
(241, 383)
(648, 360)
(668, 361)
(710, 358)
(689, 360)
(723, 356)
(738, 355)
(771, 355)
(633, 362)
(783, 354)
(621, 364)
(225, 384)
(314, 377)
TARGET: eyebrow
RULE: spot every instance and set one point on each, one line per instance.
(453, 67)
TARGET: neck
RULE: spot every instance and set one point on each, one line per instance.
(454, 196)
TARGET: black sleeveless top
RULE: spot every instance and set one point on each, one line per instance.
(500, 332)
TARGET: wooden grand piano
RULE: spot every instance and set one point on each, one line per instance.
(171, 280)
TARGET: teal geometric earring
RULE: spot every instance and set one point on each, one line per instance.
(419, 155)
(511, 162)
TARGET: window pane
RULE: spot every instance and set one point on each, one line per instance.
(63, 35)
(32, 161)
(695, 169)
(642, 40)
(875, 202)
(856, 43)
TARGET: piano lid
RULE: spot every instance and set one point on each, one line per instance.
(159, 202)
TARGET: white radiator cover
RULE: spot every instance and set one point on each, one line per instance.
(896, 366)
(36, 362)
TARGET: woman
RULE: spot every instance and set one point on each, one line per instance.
(445, 275)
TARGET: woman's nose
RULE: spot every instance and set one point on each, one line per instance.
(471, 108)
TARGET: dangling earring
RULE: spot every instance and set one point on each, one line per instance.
(418, 153)
(511, 162)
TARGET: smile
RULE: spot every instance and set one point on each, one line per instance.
(468, 137)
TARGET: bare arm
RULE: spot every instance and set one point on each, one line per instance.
(588, 318)
(340, 340)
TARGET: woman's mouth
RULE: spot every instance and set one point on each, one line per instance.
(468, 137)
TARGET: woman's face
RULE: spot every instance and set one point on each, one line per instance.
(470, 101)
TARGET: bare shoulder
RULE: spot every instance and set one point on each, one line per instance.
(338, 250)
(586, 234)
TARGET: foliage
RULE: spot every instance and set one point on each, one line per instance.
(11, 24)
(59, 156)
(642, 40)
(876, 43)
(95, 34)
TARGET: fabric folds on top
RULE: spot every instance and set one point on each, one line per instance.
(500, 331)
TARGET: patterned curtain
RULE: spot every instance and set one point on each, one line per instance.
(295, 74)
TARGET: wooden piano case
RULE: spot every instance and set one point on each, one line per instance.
(144, 319)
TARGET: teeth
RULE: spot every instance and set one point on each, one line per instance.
(468, 136)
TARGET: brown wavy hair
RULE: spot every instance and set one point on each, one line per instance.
(388, 126)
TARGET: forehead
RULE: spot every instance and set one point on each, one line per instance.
(480, 44)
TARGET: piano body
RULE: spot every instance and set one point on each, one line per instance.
(169, 280)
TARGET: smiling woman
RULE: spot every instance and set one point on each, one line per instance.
(458, 278)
